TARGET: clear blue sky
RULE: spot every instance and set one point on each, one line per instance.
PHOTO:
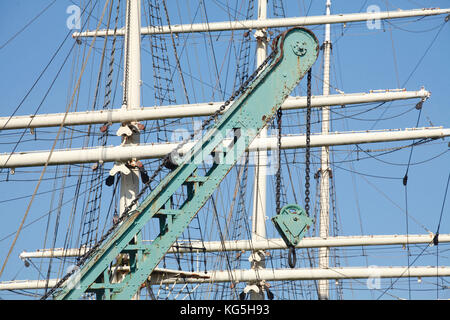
(362, 59)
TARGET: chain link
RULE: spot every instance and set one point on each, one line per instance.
(291, 254)
(278, 174)
(126, 213)
(308, 143)
(127, 55)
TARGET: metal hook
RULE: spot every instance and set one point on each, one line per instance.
(292, 258)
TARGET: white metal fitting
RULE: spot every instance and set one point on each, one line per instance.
(261, 35)
(257, 256)
(119, 167)
(252, 287)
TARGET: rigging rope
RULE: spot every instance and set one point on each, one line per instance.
(436, 236)
(91, 216)
(27, 25)
(53, 146)
(175, 53)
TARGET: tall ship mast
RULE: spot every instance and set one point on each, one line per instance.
(230, 150)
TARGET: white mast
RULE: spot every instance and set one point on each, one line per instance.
(324, 163)
(129, 172)
(259, 186)
(259, 191)
(129, 187)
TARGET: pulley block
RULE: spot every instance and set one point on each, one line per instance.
(292, 224)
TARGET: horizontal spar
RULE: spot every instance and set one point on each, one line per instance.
(303, 274)
(193, 110)
(269, 244)
(152, 151)
(160, 277)
(272, 23)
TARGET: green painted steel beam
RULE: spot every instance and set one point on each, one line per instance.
(297, 50)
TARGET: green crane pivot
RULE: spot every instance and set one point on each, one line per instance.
(294, 52)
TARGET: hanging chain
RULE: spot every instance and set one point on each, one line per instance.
(126, 213)
(308, 143)
(127, 56)
(278, 174)
(109, 79)
(292, 259)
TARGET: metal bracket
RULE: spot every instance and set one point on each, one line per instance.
(124, 131)
(129, 129)
(253, 287)
(119, 167)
